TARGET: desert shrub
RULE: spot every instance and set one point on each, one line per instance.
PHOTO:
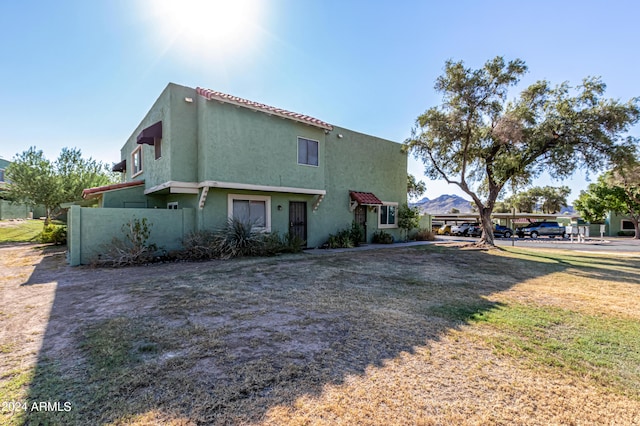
(290, 243)
(382, 237)
(357, 233)
(198, 246)
(132, 249)
(53, 234)
(236, 239)
(424, 234)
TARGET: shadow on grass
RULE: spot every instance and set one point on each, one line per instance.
(223, 342)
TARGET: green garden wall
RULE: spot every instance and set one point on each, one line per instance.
(10, 210)
(90, 230)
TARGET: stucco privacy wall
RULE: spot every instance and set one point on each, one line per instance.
(10, 210)
(91, 230)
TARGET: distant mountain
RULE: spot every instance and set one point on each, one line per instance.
(443, 204)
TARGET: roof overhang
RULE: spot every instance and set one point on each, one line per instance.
(99, 190)
(173, 187)
(212, 95)
(120, 167)
(150, 134)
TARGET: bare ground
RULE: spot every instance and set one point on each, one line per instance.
(347, 338)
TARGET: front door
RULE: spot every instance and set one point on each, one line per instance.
(361, 219)
(298, 219)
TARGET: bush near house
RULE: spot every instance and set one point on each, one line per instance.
(382, 237)
(424, 234)
(346, 238)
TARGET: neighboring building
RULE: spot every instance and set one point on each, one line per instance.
(225, 156)
(9, 210)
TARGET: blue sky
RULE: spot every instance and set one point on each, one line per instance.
(83, 74)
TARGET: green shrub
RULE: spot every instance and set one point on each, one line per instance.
(53, 234)
(626, 233)
(382, 237)
(424, 234)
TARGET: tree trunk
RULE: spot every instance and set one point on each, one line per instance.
(487, 228)
(636, 228)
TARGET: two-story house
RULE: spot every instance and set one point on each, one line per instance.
(224, 156)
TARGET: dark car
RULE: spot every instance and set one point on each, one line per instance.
(542, 229)
(499, 231)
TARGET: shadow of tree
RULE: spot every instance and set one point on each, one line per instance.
(222, 342)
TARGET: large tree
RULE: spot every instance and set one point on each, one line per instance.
(34, 180)
(549, 199)
(479, 141)
(616, 191)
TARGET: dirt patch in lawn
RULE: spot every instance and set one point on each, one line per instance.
(405, 336)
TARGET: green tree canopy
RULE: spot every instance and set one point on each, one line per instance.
(616, 191)
(37, 181)
(479, 141)
(415, 189)
(549, 199)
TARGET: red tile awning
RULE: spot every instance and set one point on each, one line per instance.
(150, 134)
(93, 192)
(365, 198)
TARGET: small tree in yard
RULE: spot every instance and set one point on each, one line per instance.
(480, 142)
(37, 181)
(408, 219)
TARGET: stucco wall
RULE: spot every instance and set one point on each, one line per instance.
(13, 211)
(240, 145)
(90, 230)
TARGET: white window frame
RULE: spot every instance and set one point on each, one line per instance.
(298, 151)
(138, 151)
(387, 226)
(172, 205)
(243, 197)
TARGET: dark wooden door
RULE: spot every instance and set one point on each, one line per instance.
(298, 219)
(361, 219)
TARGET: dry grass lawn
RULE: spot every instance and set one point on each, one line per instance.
(431, 335)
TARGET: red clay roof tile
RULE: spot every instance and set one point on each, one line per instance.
(222, 97)
(365, 198)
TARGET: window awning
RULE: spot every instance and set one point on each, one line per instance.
(149, 134)
(365, 198)
(120, 167)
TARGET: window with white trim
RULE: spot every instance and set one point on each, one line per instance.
(173, 205)
(307, 152)
(387, 213)
(136, 160)
(253, 209)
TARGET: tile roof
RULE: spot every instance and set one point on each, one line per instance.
(365, 198)
(222, 97)
(87, 193)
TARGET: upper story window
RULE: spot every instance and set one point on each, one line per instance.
(136, 161)
(387, 215)
(307, 152)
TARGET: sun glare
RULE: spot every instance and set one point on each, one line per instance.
(206, 28)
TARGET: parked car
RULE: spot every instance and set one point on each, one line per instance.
(499, 231)
(463, 228)
(474, 231)
(542, 229)
(444, 230)
(502, 231)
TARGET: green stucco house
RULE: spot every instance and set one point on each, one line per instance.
(223, 156)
